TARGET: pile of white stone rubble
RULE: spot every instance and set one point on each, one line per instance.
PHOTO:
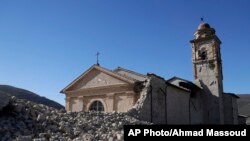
(22, 120)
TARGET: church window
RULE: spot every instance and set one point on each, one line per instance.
(202, 54)
(96, 106)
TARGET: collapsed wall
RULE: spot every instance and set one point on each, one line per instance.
(151, 104)
(161, 102)
(142, 106)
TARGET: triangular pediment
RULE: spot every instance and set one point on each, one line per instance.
(180, 81)
(131, 74)
(96, 77)
(175, 81)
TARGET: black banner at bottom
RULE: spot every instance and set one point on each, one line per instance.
(164, 131)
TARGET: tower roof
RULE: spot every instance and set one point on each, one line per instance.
(203, 26)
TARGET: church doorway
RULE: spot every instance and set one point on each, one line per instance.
(96, 106)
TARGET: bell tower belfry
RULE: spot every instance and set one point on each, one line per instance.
(206, 58)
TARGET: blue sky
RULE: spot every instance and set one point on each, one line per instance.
(45, 44)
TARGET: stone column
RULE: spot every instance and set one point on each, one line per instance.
(67, 106)
(81, 103)
(133, 97)
(85, 103)
(110, 102)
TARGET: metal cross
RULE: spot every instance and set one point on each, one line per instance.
(202, 20)
(97, 58)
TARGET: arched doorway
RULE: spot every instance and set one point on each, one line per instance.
(96, 106)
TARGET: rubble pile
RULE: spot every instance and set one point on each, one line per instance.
(4, 100)
(22, 120)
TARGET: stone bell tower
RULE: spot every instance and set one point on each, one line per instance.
(207, 65)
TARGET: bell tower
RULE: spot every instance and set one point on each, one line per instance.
(206, 58)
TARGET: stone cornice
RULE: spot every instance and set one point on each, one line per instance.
(100, 88)
(101, 91)
(205, 39)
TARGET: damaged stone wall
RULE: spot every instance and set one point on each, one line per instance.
(196, 109)
(164, 103)
(141, 109)
(230, 109)
(178, 106)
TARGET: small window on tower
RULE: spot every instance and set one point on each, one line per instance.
(202, 54)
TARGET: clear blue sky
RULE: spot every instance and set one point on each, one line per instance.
(45, 44)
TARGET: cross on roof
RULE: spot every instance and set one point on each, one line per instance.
(202, 19)
(97, 58)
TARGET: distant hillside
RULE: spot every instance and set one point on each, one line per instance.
(244, 104)
(25, 94)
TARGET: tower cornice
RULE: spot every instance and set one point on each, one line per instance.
(206, 39)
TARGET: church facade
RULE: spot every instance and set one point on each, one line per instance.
(101, 89)
(154, 99)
